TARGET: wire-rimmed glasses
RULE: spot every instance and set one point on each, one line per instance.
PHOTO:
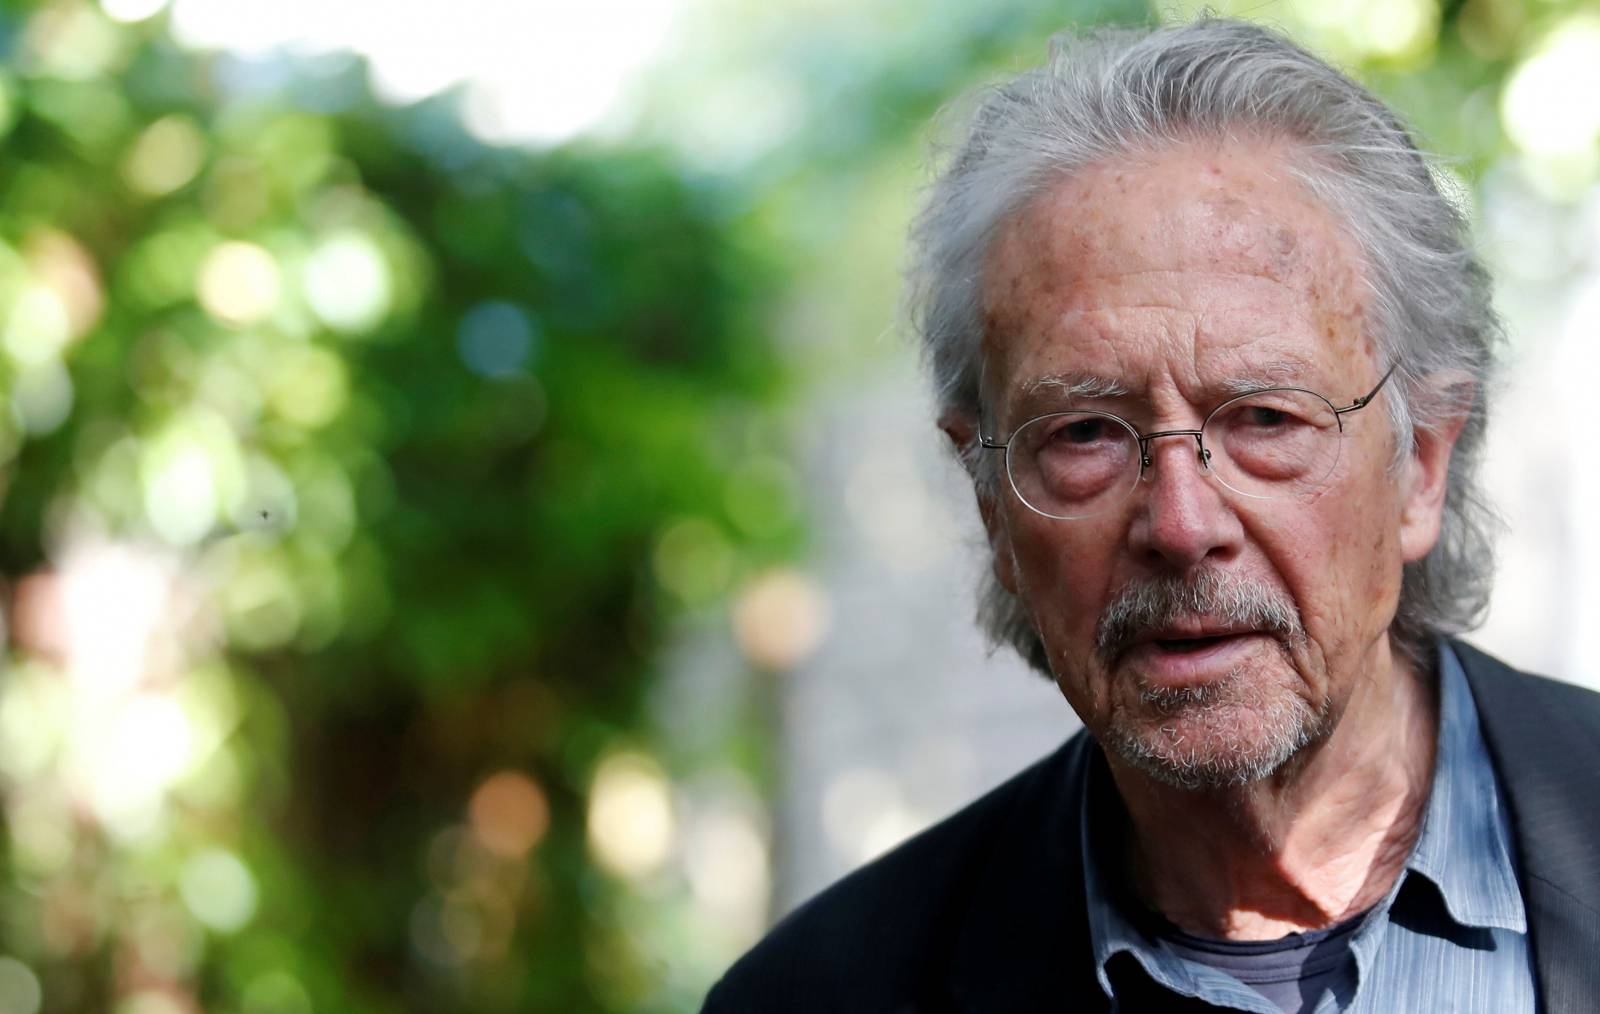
(1277, 442)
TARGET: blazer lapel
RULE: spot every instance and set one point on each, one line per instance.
(1543, 738)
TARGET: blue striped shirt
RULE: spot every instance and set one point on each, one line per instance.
(1451, 935)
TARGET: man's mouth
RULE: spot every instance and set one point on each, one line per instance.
(1185, 645)
(1192, 635)
(1190, 657)
(1189, 619)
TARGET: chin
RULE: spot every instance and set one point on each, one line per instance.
(1220, 735)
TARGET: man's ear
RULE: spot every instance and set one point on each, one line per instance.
(1428, 471)
(962, 429)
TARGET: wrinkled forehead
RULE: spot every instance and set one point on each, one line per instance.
(1194, 251)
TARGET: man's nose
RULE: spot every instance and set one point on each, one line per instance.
(1183, 515)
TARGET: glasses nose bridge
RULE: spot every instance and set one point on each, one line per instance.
(1202, 452)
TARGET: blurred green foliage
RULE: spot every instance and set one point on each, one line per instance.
(352, 441)
(356, 476)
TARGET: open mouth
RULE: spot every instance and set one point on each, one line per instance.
(1188, 645)
(1179, 661)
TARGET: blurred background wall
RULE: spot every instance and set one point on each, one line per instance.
(472, 536)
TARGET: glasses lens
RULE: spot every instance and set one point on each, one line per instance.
(1276, 443)
(1073, 464)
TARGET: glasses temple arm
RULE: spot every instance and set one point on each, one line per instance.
(1366, 399)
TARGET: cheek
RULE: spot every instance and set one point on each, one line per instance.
(1065, 574)
(1349, 565)
(1064, 571)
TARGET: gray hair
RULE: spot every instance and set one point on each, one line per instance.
(1114, 93)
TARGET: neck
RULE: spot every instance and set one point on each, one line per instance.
(1320, 841)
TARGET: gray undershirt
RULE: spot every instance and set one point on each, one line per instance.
(1293, 971)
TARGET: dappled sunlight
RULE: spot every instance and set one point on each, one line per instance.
(631, 826)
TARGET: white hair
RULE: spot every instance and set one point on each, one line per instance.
(1114, 93)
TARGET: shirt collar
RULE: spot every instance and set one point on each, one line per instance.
(1465, 844)
(1464, 848)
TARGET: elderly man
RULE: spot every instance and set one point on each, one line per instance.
(1214, 349)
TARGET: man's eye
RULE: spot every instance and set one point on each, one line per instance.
(1265, 416)
(1082, 431)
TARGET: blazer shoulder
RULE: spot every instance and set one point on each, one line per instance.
(872, 940)
(1498, 686)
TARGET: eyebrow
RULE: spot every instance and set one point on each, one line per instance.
(1052, 390)
(1287, 372)
(1073, 385)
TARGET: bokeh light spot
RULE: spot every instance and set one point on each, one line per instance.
(19, 988)
(163, 267)
(725, 858)
(347, 282)
(630, 821)
(112, 599)
(70, 40)
(495, 338)
(270, 503)
(41, 397)
(219, 890)
(239, 283)
(37, 328)
(508, 813)
(448, 931)
(180, 488)
(780, 618)
(1540, 106)
(261, 605)
(1399, 28)
(130, 762)
(61, 263)
(310, 386)
(128, 11)
(166, 155)
(693, 560)
(276, 992)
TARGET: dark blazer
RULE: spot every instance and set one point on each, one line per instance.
(984, 911)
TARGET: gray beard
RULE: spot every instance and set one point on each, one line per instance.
(1283, 724)
(1222, 735)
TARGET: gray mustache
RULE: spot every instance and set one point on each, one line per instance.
(1141, 607)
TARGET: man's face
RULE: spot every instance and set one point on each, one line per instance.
(1232, 631)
